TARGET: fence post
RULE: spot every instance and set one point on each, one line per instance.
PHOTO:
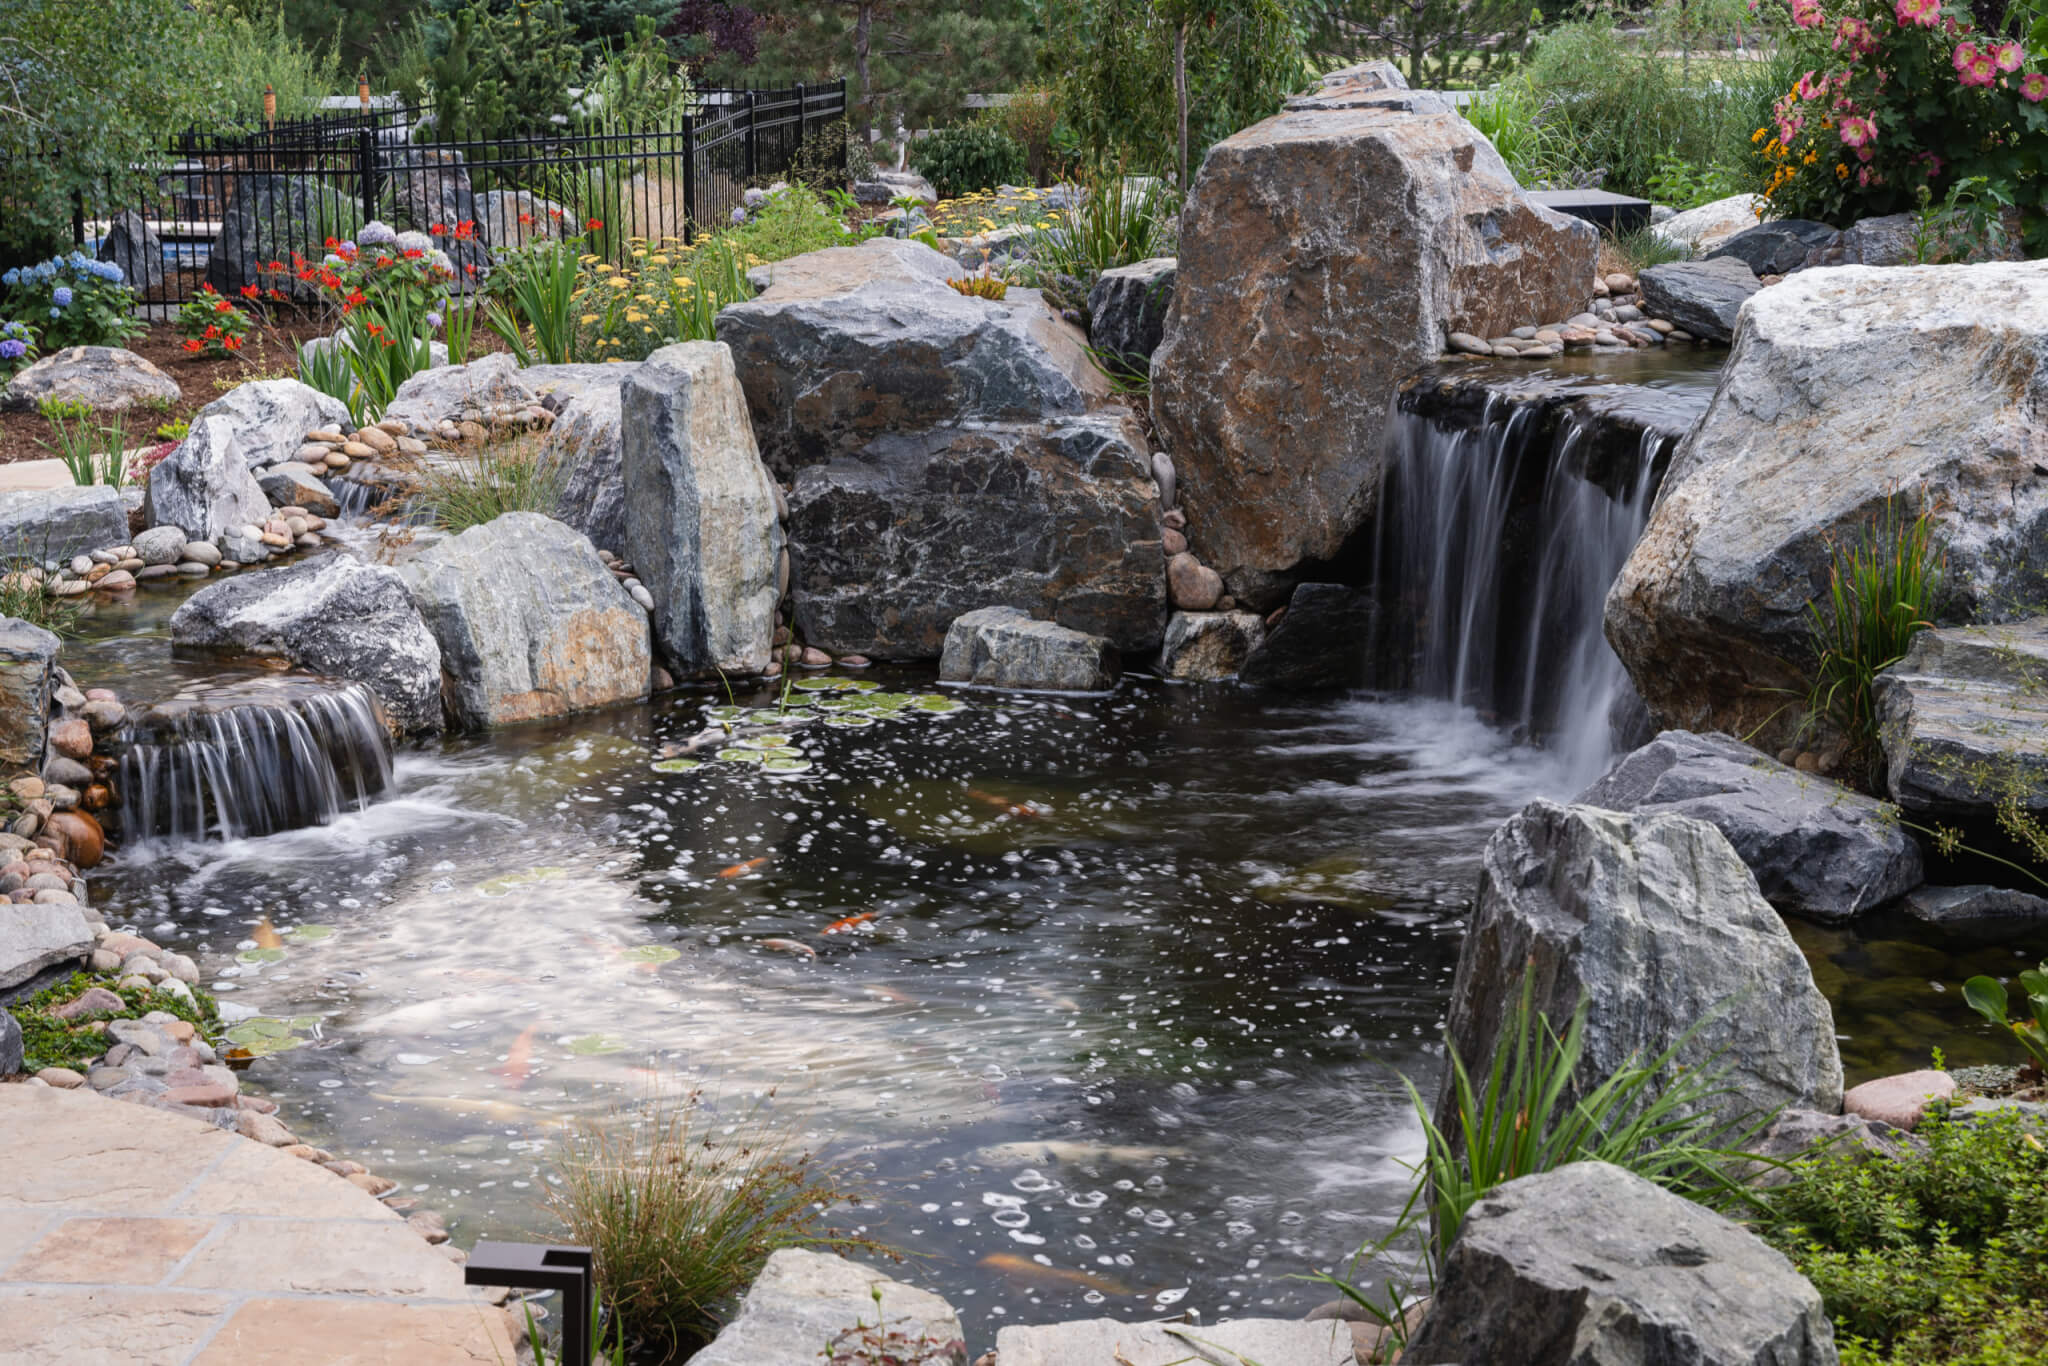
(803, 114)
(689, 178)
(753, 159)
(366, 168)
(78, 218)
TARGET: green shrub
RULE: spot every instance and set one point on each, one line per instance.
(1881, 589)
(789, 223)
(73, 300)
(973, 156)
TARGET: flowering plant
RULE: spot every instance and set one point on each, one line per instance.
(665, 293)
(74, 300)
(17, 348)
(212, 325)
(1901, 100)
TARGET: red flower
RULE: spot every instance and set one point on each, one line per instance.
(332, 243)
(249, 291)
(358, 297)
(231, 343)
(593, 225)
(206, 289)
(223, 307)
(413, 253)
(194, 344)
(465, 230)
(211, 331)
(383, 261)
(277, 294)
(526, 218)
(438, 229)
(471, 268)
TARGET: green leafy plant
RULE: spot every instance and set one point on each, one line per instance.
(1117, 221)
(1638, 248)
(73, 301)
(791, 222)
(212, 325)
(522, 474)
(50, 1042)
(681, 1212)
(1685, 185)
(968, 157)
(323, 366)
(533, 305)
(546, 1353)
(77, 440)
(831, 158)
(1882, 587)
(1968, 224)
(1519, 124)
(1986, 996)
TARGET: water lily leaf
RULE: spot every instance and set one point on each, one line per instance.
(263, 1048)
(304, 1022)
(677, 765)
(255, 956)
(936, 704)
(827, 684)
(741, 756)
(786, 764)
(309, 934)
(847, 720)
(253, 1031)
(768, 716)
(592, 1045)
(511, 882)
(652, 953)
(767, 742)
(886, 701)
(725, 713)
(863, 685)
(832, 704)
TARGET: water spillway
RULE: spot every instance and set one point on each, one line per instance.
(252, 757)
(1508, 504)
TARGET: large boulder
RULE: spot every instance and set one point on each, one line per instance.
(1963, 720)
(270, 417)
(512, 218)
(495, 381)
(105, 379)
(1231, 1342)
(432, 189)
(1324, 255)
(1847, 388)
(266, 219)
(36, 936)
(892, 543)
(530, 622)
(205, 485)
(1778, 247)
(850, 343)
(1886, 241)
(1204, 646)
(1590, 1263)
(1127, 309)
(1702, 297)
(880, 188)
(28, 664)
(56, 524)
(804, 1301)
(701, 529)
(1711, 224)
(1654, 920)
(133, 245)
(1322, 641)
(585, 440)
(334, 615)
(1816, 848)
(1003, 647)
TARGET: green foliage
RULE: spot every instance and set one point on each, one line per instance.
(1437, 43)
(969, 157)
(1938, 1255)
(243, 54)
(1517, 123)
(25, 591)
(50, 1042)
(1684, 185)
(1881, 590)
(1641, 247)
(532, 304)
(1986, 996)
(789, 223)
(523, 474)
(831, 158)
(326, 367)
(1116, 222)
(503, 73)
(636, 83)
(1114, 67)
(682, 1213)
(211, 325)
(73, 300)
(666, 293)
(78, 441)
(1967, 225)
(1032, 120)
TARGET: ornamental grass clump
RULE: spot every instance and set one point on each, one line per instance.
(682, 1209)
(456, 492)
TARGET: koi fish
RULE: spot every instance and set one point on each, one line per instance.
(1024, 1269)
(742, 869)
(266, 936)
(518, 1064)
(1066, 1003)
(1008, 807)
(890, 994)
(789, 946)
(852, 922)
(496, 1110)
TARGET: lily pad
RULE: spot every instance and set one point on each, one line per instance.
(677, 765)
(939, 706)
(741, 756)
(832, 704)
(512, 882)
(592, 1045)
(886, 701)
(849, 720)
(262, 1048)
(825, 684)
(767, 742)
(309, 934)
(255, 956)
(725, 713)
(252, 1031)
(863, 685)
(786, 764)
(652, 953)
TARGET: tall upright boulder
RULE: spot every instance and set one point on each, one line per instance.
(28, 675)
(701, 528)
(585, 440)
(204, 485)
(270, 417)
(1325, 254)
(1847, 387)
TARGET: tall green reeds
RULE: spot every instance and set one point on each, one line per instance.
(1882, 587)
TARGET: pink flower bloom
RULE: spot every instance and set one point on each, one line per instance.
(1809, 89)
(1806, 13)
(1857, 131)
(2034, 85)
(1965, 54)
(1919, 13)
(1854, 34)
(2009, 56)
(1983, 70)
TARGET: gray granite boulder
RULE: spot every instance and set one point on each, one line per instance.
(851, 343)
(496, 381)
(512, 218)
(1978, 910)
(881, 188)
(890, 544)
(530, 623)
(1963, 720)
(1883, 241)
(106, 379)
(1776, 247)
(1321, 642)
(269, 418)
(160, 545)
(805, 1305)
(267, 219)
(56, 524)
(1204, 646)
(1127, 309)
(28, 667)
(334, 615)
(1003, 647)
(1590, 1263)
(133, 245)
(585, 440)
(1706, 227)
(205, 486)
(1233, 1342)
(701, 529)
(1797, 1134)
(1656, 921)
(1702, 297)
(1817, 849)
(10, 1045)
(38, 936)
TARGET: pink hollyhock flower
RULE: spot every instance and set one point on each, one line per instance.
(2009, 56)
(1857, 131)
(1854, 34)
(1918, 13)
(1806, 13)
(1965, 53)
(2034, 85)
(1809, 89)
(1983, 70)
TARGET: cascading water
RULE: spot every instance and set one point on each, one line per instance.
(251, 758)
(1506, 511)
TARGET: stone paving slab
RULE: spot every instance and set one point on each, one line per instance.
(130, 1235)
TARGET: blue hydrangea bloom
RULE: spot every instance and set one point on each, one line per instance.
(61, 296)
(12, 349)
(56, 312)
(377, 234)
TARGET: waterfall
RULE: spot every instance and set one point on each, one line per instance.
(1505, 513)
(252, 757)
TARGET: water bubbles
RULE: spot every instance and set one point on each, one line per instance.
(1087, 1199)
(1166, 1298)
(1158, 1218)
(1032, 1181)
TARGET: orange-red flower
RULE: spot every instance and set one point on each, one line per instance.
(231, 343)
(223, 307)
(593, 225)
(194, 344)
(249, 291)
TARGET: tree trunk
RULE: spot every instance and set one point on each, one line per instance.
(863, 28)
(1180, 96)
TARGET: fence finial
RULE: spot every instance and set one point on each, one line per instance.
(363, 92)
(269, 106)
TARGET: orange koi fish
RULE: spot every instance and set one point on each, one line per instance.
(1008, 807)
(789, 946)
(852, 922)
(742, 869)
(518, 1065)
(1023, 1268)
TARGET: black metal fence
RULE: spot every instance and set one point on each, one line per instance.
(223, 208)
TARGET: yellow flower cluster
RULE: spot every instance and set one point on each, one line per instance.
(668, 291)
(985, 211)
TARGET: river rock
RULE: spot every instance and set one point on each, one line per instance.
(881, 188)
(1777, 247)
(265, 220)
(890, 544)
(57, 524)
(1655, 920)
(701, 530)
(269, 419)
(1702, 297)
(1204, 646)
(28, 665)
(1324, 255)
(1112, 1342)
(804, 1301)
(161, 545)
(1321, 643)
(295, 485)
(1003, 647)
(1978, 909)
(1710, 225)
(40, 935)
(530, 622)
(133, 245)
(1191, 585)
(1127, 308)
(852, 343)
(1847, 387)
(1816, 848)
(585, 439)
(1591, 1263)
(204, 486)
(106, 379)
(334, 615)
(1963, 720)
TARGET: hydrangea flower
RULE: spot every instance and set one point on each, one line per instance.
(377, 234)
(413, 241)
(433, 320)
(10, 349)
(61, 296)
(739, 215)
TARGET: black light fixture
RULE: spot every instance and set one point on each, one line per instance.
(539, 1266)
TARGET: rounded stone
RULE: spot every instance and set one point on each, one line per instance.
(1193, 586)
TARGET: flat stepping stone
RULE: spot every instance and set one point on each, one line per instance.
(1094, 1342)
(1602, 208)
